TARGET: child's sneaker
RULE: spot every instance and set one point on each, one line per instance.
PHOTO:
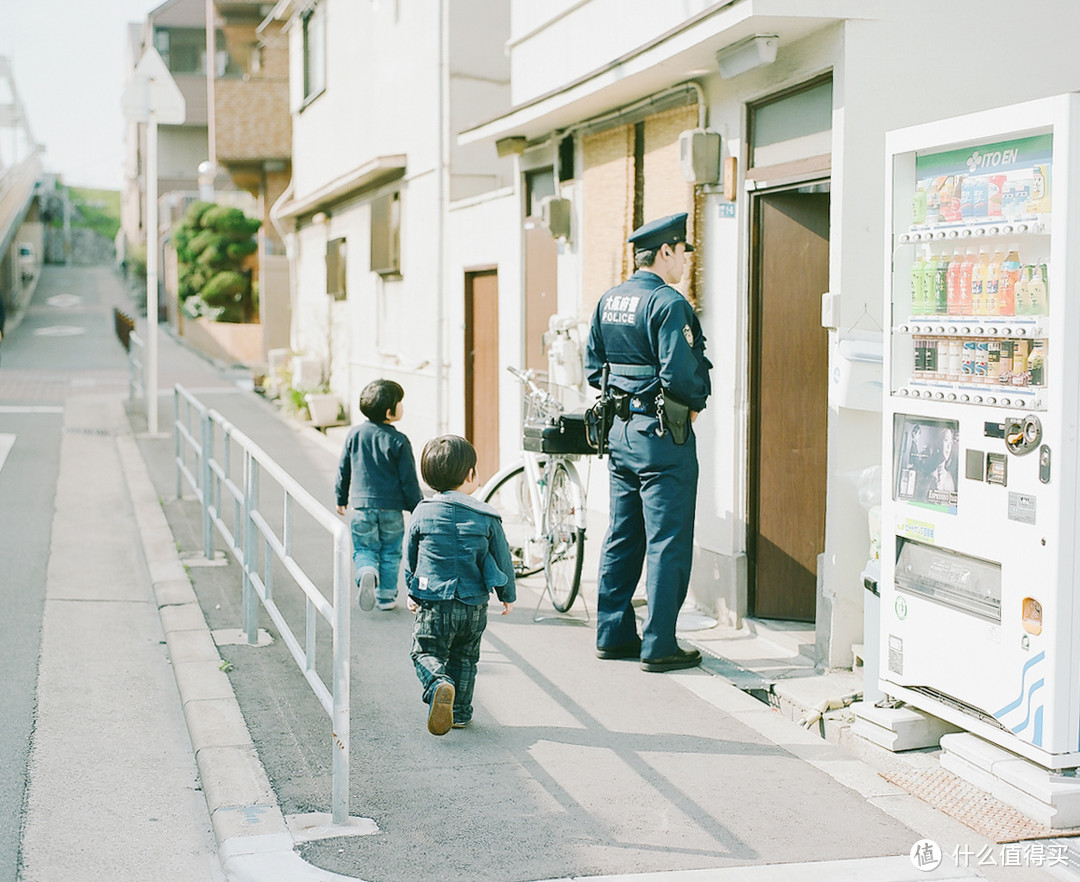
(386, 604)
(441, 713)
(366, 595)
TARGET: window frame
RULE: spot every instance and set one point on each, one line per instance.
(313, 52)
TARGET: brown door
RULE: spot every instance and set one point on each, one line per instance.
(789, 403)
(482, 369)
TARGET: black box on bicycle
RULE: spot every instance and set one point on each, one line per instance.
(567, 436)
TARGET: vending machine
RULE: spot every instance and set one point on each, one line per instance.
(980, 563)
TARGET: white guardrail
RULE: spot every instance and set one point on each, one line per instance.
(225, 469)
(136, 367)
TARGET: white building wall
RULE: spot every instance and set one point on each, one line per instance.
(554, 43)
(382, 97)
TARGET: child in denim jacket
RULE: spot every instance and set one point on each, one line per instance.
(456, 555)
(377, 479)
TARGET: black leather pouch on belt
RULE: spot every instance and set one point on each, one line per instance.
(674, 416)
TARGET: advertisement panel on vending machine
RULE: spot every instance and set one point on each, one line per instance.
(979, 623)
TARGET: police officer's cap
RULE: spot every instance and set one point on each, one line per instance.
(668, 230)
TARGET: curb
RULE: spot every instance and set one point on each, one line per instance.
(254, 841)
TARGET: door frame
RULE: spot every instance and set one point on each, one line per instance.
(471, 273)
(819, 183)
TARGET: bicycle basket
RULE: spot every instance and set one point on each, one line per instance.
(567, 436)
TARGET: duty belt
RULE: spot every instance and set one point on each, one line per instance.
(627, 403)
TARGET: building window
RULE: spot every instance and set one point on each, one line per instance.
(791, 132)
(184, 51)
(314, 51)
(386, 235)
(538, 184)
(335, 269)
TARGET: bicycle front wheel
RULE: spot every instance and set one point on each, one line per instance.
(565, 552)
(510, 497)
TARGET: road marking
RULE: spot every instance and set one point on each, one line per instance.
(59, 331)
(62, 301)
(31, 408)
(6, 443)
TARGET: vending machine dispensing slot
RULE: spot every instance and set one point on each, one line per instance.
(956, 580)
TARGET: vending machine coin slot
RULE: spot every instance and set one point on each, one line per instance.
(1022, 435)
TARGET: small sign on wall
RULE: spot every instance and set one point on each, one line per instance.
(726, 209)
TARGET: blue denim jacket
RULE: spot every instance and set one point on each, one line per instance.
(457, 551)
(377, 469)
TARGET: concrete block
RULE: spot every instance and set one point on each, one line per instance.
(233, 776)
(898, 729)
(201, 681)
(264, 823)
(977, 751)
(182, 617)
(973, 774)
(174, 592)
(216, 723)
(1040, 794)
(192, 646)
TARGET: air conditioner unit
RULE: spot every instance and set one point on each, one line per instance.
(555, 216)
(699, 156)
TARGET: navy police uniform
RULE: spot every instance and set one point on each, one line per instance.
(650, 338)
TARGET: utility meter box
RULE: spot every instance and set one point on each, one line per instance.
(555, 216)
(699, 156)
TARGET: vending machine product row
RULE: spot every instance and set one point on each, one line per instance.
(980, 623)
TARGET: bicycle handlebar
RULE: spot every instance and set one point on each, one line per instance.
(534, 391)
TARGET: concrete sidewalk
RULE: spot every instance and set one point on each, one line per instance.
(572, 767)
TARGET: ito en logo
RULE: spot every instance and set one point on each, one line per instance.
(978, 160)
(900, 608)
(925, 855)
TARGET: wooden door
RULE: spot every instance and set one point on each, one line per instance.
(789, 403)
(482, 368)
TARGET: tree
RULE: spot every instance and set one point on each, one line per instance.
(212, 244)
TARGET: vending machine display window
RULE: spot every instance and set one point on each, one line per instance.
(925, 461)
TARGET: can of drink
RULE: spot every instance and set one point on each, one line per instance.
(967, 359)
(993, 361)
(982, 360)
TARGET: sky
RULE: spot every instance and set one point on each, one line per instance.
(68, 62)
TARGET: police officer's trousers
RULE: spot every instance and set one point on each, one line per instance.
(653, 495)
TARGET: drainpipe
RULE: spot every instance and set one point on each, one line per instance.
(443, 187)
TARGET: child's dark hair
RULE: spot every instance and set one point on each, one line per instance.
(378, 398)
(446, 462)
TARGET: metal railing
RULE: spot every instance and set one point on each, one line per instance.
(136, 367)
(229, 494)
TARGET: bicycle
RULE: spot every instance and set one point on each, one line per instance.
(541, 498)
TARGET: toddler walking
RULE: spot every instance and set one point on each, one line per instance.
(457, 554)
(377, 480)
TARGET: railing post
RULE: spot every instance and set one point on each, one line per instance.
(251, 503)
(340, 724)
(177, 442)
(205, 478)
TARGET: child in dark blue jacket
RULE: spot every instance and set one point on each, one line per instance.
(457, 555)
(377, 480)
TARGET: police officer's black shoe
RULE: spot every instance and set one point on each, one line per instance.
(625, 650)
(683, 658)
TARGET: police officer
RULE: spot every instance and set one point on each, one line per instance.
(649, 338)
